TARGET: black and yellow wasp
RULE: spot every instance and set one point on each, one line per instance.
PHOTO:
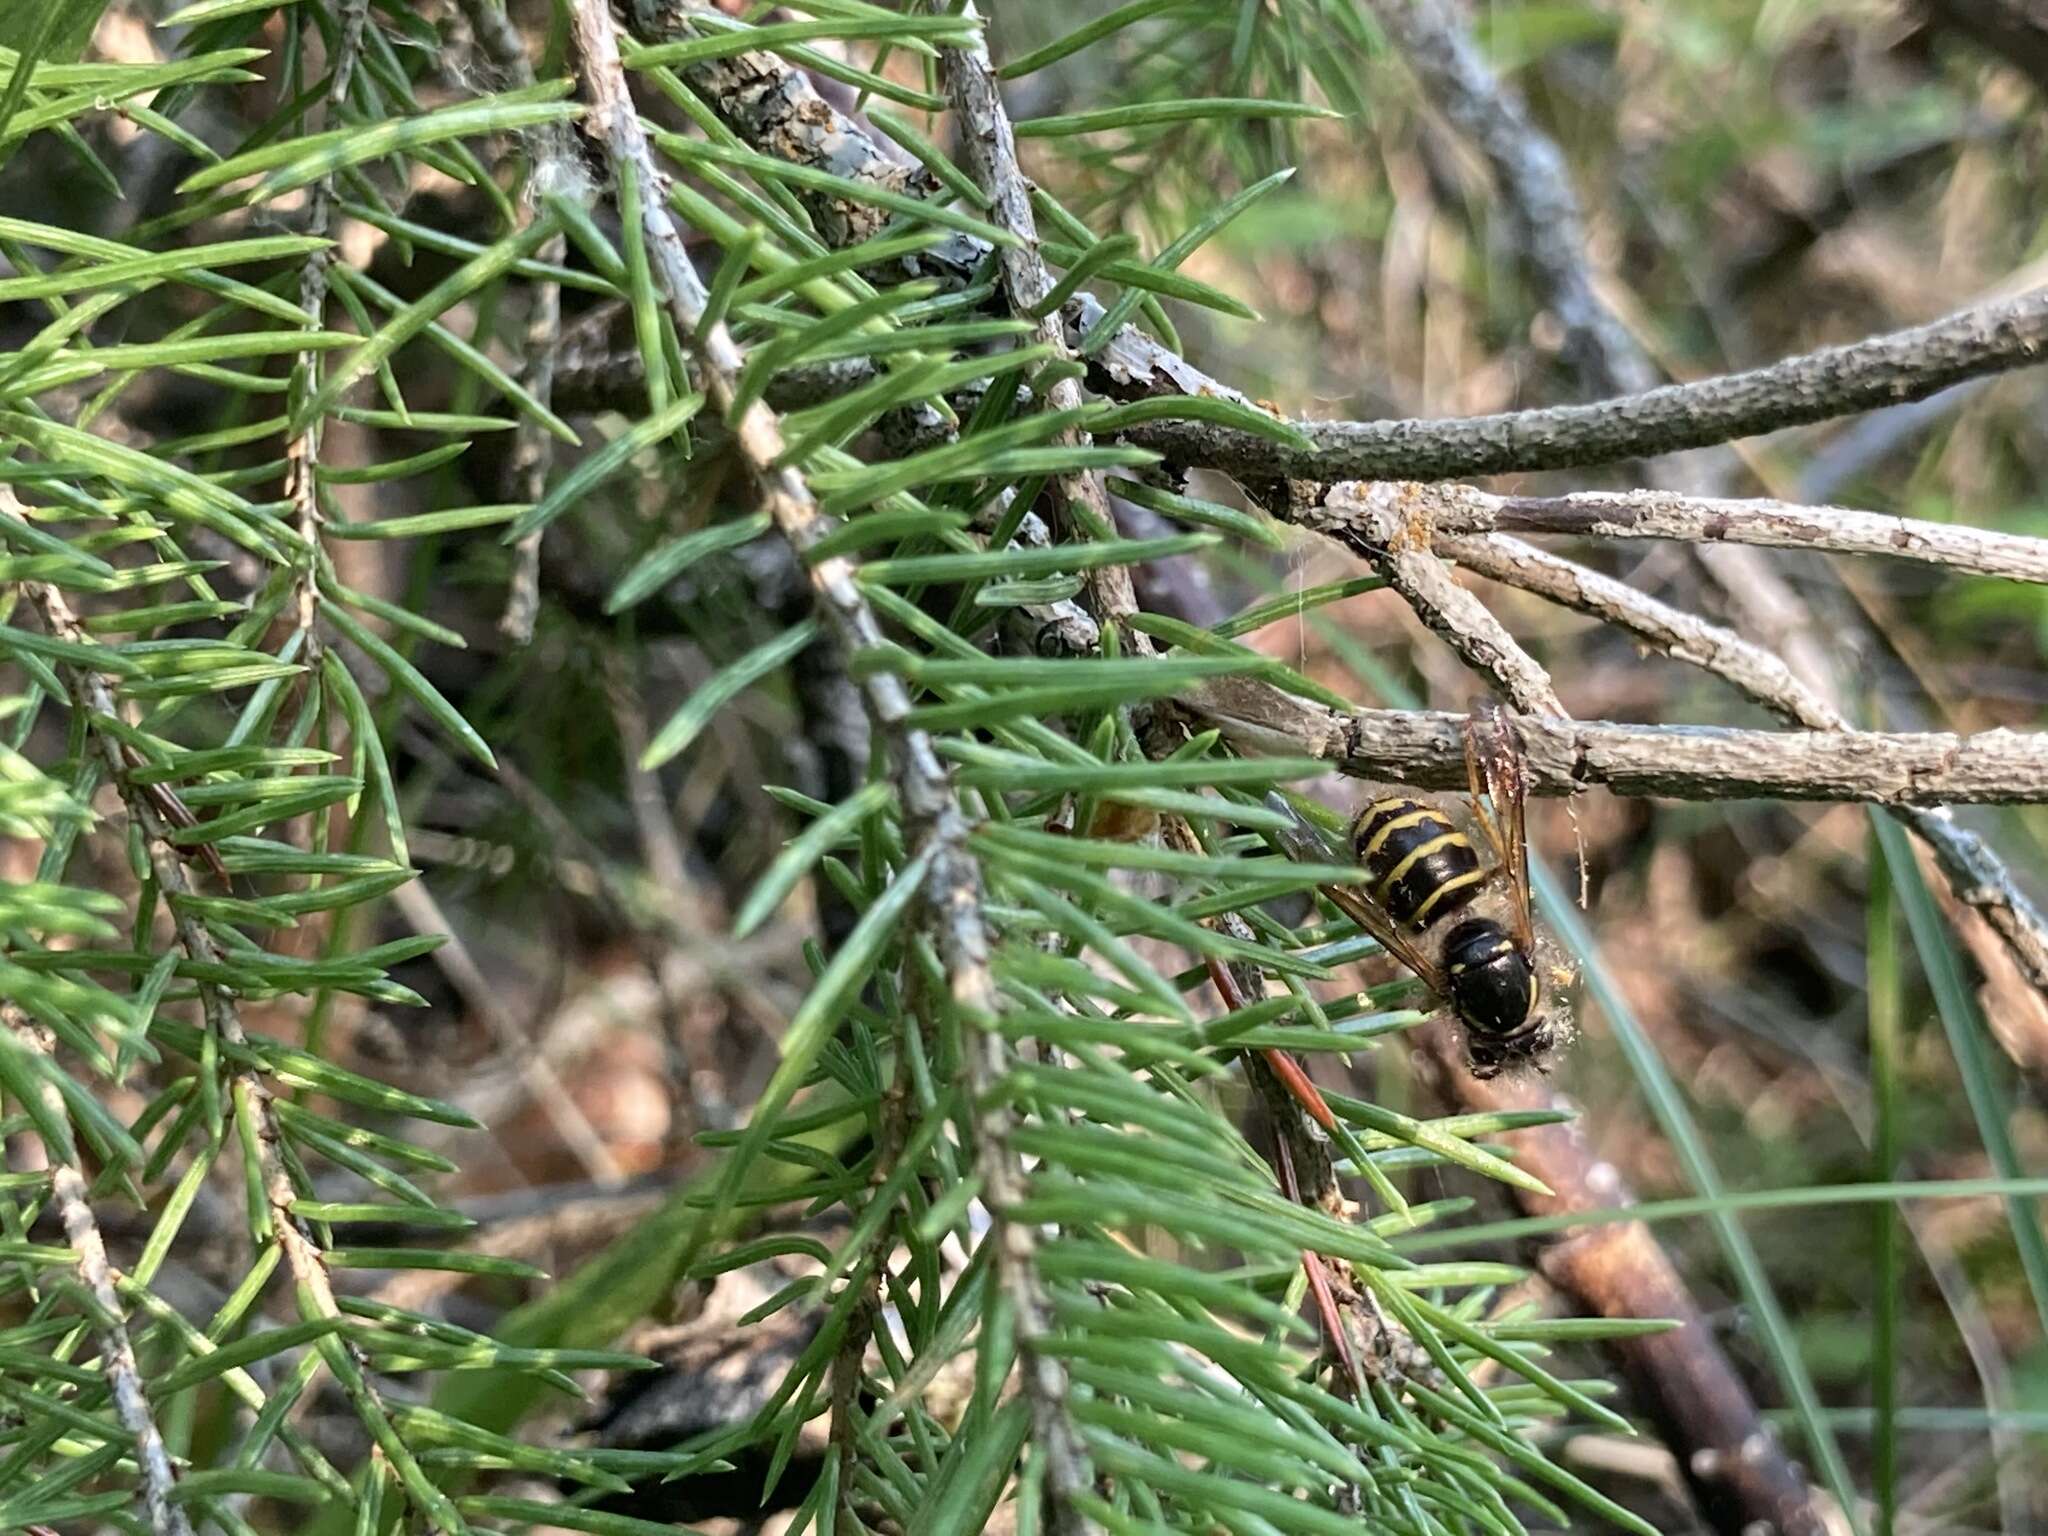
(1461, 924)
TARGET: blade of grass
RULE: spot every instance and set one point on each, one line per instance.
(1674, 1117)
(1881, 962)
(1967, 1033)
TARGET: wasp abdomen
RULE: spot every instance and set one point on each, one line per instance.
(1492, 983)
(1420, 866)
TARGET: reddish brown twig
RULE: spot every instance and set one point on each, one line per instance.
(1303, 1095)
(1735, 1465)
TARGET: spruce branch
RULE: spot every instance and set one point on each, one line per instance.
(933, 823)
(302, 449)
(553, 168)
(989, 145)
(110, 1327)
(303, 1257)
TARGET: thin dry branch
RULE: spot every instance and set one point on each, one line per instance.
(1541, 209)
(933, 824)
(1454, 511)
(117, 1352)
(1684, 636)
(1818, 386)
(1425, 749)
(1382, 525)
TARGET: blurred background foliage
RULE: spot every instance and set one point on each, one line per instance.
(1759, 178)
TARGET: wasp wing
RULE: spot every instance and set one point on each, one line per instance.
(1495, 754)
(1359, 907)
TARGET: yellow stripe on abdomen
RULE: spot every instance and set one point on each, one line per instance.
(1414, 818)
(1415, 856)
(1456, 883)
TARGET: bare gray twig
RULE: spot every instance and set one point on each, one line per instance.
(1836, 381)
(1425, 748)
(1541, 208)
(933, 824)
(1382, 525)
(1685, 636)
(1454, 511)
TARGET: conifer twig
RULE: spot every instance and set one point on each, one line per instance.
(303, 1257)
(117, 1351)
(933, 823)
(989, 145)
(553, 169)
(302, 450)
(1384, 529)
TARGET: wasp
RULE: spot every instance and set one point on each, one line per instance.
(1459, 922)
